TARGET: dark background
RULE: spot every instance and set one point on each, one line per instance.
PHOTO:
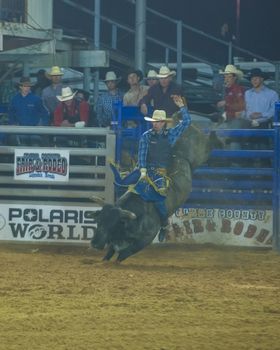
(258, 24)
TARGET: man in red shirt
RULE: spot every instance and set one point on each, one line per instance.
(70, 110)
(233, 104)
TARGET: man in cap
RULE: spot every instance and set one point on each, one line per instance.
(136, 90)
(27, 109)
(260, 100)
(105, 102)
(50, 92)
(161, 93)
(154, 155)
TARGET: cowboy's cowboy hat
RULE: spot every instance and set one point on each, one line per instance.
(66, 94)
(111, 76)
(165, 72)
(25, 81)
(231, 69)
(158, 116)
(152, 74)
(55, 70)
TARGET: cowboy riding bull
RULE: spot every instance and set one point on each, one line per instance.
(161, 184)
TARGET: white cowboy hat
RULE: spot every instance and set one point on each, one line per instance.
(152, 74)
(111, 76)
(231, 69)
(165, 72)
(66, 94)
(55, 70)
(158, 116)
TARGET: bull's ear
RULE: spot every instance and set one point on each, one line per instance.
(127, 214)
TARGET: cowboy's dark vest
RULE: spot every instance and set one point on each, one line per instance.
(74, 117)
(159, 150)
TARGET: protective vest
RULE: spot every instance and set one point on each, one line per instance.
(159, 150)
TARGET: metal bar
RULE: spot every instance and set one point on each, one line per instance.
(114, 36)
(179, 52)
(276, 180)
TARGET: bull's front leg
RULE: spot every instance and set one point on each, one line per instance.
(109, 254)
(131, 249)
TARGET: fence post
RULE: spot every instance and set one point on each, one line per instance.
(276, 180)
(179, 52)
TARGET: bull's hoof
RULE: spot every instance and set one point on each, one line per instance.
(162, 234)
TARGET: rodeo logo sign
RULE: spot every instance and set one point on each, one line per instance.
(37, 223)
(43, 165)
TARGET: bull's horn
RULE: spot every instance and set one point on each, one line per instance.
(97, 200)
(128, 214)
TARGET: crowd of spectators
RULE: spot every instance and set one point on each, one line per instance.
(49, 102)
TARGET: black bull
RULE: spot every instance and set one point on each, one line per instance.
(132, 223)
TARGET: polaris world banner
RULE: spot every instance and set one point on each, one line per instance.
(46, 223)
(41, 165)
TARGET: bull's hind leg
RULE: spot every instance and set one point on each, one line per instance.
(132, 249)
(109, 254)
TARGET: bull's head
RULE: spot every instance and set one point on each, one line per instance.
(111, 222)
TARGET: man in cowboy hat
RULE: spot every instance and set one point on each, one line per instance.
(136, 90)
(27, 109)
(233, 104)
(260, 100)
(105, 102)
(70, 110)
(152, 78)
(154, 155)
(161, 93)
(50, 92)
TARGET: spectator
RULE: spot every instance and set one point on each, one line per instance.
(161, 93)
(49, 93)
(260, 100)
(152, 78)
(27, 109)
(136, 92)
(105, 102)
(233, 104)
(260, 106)
(70, 110)
(42, 82)
(226, 35)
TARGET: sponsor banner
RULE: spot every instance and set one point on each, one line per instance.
(42, 165)
(222, 226)
(46, 223)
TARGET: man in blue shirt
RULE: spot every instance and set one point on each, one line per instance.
(27, 109)
(105, 102)
(260, 100)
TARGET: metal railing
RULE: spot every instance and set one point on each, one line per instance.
(183, 43)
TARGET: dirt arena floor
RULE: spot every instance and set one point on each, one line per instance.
(165, 298)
